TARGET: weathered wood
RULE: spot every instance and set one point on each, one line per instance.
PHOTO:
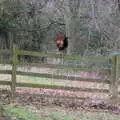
(114, 83)
(5, 52)
(5, 62)
(113, 86)
(56, 87)
(5, 91)
(107, 71)
(14, 61)
(63, 77)
(5, 72)
(5, 82)
(62, 56)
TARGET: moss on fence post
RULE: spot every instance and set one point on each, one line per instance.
(114, 79)
(14, 60)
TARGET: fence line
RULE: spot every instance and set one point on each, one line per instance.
(113, 81)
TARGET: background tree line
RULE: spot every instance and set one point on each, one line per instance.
(92, 26)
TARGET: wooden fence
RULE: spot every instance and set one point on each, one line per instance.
(113, 72)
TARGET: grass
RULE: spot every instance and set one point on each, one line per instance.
(56, 116)
(37, 80)
(65, 114)
(19, 114)
(54, 113)
(47, 81)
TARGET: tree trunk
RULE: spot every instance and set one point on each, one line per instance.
(68, 21)
(70, 15)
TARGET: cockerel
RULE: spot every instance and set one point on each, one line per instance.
(62, 43)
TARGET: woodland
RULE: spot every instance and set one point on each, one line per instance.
(82, 30)
(92, 26)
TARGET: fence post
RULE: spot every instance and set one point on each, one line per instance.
(113, 88)
(14, 60)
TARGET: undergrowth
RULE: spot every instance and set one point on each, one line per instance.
(12, 113)
(46, 113)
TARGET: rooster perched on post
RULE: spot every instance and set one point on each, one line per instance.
(62, 43)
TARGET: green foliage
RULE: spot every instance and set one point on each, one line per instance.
(58, 116)
(19, 24)
(48, 113)
(19, 114)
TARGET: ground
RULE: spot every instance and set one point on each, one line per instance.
(44, 108)
(52, 112)
(48, 108)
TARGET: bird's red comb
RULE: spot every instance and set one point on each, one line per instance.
(59, 36)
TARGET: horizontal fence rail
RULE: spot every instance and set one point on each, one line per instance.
(55, 76)
(5, 52)
(66, 67)
(63, 56)
(113, 72)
